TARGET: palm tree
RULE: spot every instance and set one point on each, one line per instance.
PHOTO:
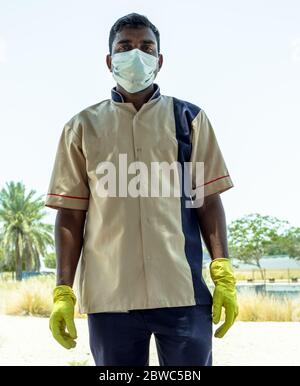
(24, 237)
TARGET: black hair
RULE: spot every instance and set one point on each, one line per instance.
(132, 20)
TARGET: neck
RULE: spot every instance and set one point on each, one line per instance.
(137, 98)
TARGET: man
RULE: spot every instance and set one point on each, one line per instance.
(140, 256)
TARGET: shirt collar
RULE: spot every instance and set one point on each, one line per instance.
(117, 97)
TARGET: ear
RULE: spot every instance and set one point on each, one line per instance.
(108, 62)
(160, 61)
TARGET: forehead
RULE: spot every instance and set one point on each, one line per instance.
(135, 34)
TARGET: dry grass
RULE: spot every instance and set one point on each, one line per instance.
(30, 297)
(260, 308)
(34, 297)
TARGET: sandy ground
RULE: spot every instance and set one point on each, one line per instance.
(27, 341)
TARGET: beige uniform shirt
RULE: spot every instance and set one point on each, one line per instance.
(139, 252)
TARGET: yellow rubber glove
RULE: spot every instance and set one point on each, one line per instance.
(62, 316)
(224, 294)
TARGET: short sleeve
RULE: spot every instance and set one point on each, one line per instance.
(205, 149)
(68, 186)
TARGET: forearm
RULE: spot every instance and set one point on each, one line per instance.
(69, 228)
(212, 223)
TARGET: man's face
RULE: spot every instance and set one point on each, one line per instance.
(129, 38)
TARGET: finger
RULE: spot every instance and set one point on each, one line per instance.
(71, 327)
(66, 342)
(62, 330)
(63, 337)
(217, 310)
(55, 326)
(66, 334)
(229, 320)
(59, 334)
(236, 314)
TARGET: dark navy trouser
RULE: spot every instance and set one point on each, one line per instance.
(183, 336)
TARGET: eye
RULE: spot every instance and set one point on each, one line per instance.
(124, 47)
(148, 49)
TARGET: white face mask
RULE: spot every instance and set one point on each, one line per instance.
(134, 70)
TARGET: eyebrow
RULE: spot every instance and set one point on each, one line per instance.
(130, 41)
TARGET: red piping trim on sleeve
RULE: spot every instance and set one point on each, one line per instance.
(63, 195)
(216, 179)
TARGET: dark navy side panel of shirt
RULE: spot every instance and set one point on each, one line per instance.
(184, 113)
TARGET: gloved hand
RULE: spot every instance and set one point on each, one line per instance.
(62, 316)
(224, 294)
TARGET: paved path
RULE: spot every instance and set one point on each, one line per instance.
(27, 341)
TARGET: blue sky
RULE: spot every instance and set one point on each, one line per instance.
(238, 60)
